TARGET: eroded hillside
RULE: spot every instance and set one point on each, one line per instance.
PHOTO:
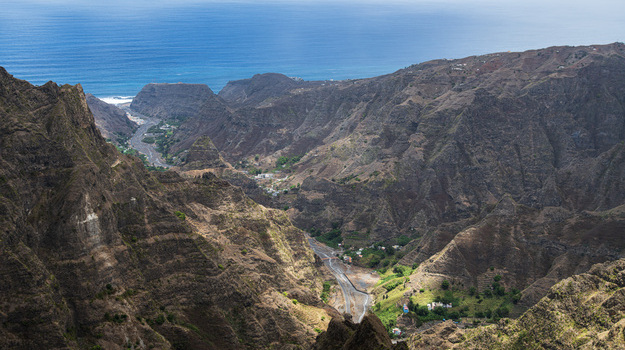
(95, 251)
(508, 163)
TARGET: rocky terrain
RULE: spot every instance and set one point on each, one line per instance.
(343, 334)
(507, 163)
(110, 120)
(581, 312)
(98, 253)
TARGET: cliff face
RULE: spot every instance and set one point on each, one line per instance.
(437, 142)
(95, 250)
(110, 120)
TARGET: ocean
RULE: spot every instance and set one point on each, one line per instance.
(113, 49)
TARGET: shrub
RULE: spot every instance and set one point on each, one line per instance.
(445, 285)
(148, 139)
(501, 311)
(497, 278)
(390, 286)
(160, 319)
(180, 215)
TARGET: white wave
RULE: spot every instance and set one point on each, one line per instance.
(117, 100)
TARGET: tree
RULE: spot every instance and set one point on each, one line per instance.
(445, 284)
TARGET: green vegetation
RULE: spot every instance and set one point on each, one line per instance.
(489, 306)
(331, 238)
(286, 162)
(326, 292)
(380, 257)
(445, 285)
(108, 290)
(117, 318)
(254, 171)
(148, 139)
(346, 179)
(403, 240)
(180, 215)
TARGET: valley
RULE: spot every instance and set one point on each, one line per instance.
(467, 203)
(136, 141)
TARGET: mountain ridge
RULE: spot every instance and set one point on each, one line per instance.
(99, 252)
(428, 152)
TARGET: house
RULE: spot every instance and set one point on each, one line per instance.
(433, 305)
(396, 331)
(347, 259)
(406, 310)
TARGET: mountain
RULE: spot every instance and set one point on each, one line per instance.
(97, 252)
(581, 312)
(110, 120)
(171, 101)
(494, 164)
(261, 89)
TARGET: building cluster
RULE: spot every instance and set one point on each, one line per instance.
(434, 304)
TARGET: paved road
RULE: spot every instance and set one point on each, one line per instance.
(356, 301)
(154, 157)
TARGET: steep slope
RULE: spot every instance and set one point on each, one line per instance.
(437, 142)
(110, 120)
(95, 250)
(519, 153)
(171, 101)
(581, 312)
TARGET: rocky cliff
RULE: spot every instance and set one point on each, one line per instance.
(110, 120)
(97, 252)
(519, 153)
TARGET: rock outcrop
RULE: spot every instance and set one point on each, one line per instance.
(95, 251)
(110, 120)
(369, 334)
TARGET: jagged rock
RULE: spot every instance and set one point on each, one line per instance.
(97, 251)
(369, 334)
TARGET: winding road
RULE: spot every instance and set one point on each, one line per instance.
(356, 301)
(135, 142)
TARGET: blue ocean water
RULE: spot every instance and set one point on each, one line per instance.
(115, 48)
